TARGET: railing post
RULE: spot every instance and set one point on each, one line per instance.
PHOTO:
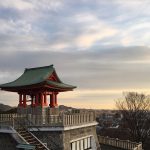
(13, 121)
(64, 120)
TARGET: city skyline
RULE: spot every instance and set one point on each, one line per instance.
(102, 47)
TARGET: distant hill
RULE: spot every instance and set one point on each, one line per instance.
(7, 109)
(4, 107)
(63, 107)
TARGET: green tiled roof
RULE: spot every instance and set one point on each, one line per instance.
(58, 84)
(33, 76)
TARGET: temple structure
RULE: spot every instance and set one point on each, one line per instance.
(39, 123)
(38, 84)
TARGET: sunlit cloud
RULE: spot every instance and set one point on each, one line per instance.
(88, 39)
(102, 47)
(17, 4)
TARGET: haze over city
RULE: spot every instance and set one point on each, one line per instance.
(100, 46)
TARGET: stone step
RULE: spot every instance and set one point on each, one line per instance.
(25, 133)
(27, 136)
(22, 132)
(32, 140)
(41, 148)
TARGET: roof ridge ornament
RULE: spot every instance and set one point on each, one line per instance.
(39, 67)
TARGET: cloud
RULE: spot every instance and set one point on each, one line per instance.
(63, 25)
(48, 5)
(23, 5)
(94, 45)
(94, 30)
(9, 27)
(102, 68)
(16, 4)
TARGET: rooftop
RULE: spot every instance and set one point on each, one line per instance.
(40, 76)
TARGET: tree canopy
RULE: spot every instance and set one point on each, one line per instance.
(135, 109)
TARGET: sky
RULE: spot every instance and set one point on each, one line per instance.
(100, 46)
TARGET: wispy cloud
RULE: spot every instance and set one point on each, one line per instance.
(60, 25)
(100, 73)
(93, 44)
(17, 4)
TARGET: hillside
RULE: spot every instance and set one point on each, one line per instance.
(4, 107)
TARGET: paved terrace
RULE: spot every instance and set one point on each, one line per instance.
(67, 120)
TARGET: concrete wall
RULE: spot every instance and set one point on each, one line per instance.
(76, 134)
(61, 140)
(7, 142)
(53, 139)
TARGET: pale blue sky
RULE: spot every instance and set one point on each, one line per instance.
(101, 46)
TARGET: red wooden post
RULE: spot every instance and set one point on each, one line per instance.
(20, 99)
(32, 100)
(41, 99)
(24, 100)
(52, 100)
(45, 99)
(37, 99)
(56, 104)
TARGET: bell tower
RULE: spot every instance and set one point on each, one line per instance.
(38, 111)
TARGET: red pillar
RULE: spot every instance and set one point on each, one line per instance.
(41, 99)
(20, 99)
(56, 104)
(24, 100)
(32, 100)
(37, 99)
(52, 100)
(45, 99)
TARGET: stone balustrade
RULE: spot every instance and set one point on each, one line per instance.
(70, 119)
(78, 118)
(124, 144)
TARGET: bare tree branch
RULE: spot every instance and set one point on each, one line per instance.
(135, 109)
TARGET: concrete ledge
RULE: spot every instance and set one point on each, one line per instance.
(7, 129)
(54, 128)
